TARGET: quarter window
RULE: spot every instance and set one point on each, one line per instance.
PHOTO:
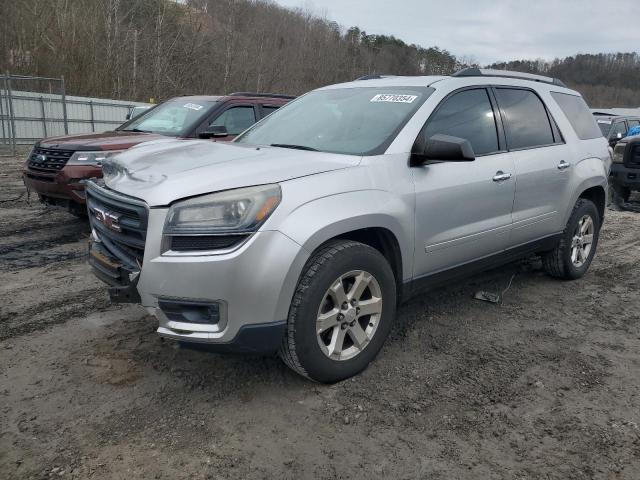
(269, 109)
(526, 120)
(469, 115)
(578, 114)
(236, 120)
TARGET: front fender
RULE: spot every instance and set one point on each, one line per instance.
(322, 219)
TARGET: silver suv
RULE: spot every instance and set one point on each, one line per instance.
(304, 235)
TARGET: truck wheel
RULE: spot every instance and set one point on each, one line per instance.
(341, 313)
(620, 194)
(571, 258)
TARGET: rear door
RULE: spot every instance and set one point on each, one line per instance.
(463, 209)
(543, 164)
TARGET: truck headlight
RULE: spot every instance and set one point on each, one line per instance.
(91, 158)
(233, 212)
(618, 155)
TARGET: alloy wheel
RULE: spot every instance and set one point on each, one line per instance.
(582, 241)
(349, 315)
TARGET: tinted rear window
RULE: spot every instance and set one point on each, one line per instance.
(526, 120)
(579, 116)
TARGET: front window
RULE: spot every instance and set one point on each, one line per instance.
(350, 121)
(236, 120)
(174, 118)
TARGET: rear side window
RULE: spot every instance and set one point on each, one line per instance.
(467, 115)
(268, 109)
(525, 117)
(579, 116)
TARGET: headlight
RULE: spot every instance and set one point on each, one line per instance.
(91, 158)
(618, 153)
(237, 211)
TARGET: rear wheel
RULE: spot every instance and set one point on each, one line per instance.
(341, 313)
(573, 255)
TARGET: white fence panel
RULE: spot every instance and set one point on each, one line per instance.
(34, 115)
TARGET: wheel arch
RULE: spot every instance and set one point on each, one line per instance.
(598, 196)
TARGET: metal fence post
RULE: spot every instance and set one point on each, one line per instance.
(44, 118)
(64, 107)
(93, 127)
(4, 134)
(11, 115)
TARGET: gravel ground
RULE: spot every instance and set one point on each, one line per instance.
(545, 386)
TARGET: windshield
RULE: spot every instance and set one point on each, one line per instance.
(605, 127)
(174, 118)
(353, 121)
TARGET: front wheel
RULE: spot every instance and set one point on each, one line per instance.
(341, 313)
(572, 256)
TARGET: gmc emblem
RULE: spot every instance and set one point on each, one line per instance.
(108, 219)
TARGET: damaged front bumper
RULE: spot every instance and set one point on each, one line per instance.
(122, 280)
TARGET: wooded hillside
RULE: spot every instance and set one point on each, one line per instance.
(160, 48)
(141, 49)
(605, 80)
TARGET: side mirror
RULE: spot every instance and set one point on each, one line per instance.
(127, 116)
(215, 131)
(443, 148)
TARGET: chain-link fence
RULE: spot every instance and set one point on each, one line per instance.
(32, 108)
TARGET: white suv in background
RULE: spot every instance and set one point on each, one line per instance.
(303, 235)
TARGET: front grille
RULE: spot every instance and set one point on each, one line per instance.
(634, 160)
(120, 222)
(48, 159)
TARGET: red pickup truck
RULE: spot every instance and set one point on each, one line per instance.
(56, 167)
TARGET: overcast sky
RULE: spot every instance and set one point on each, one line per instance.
(493, 30)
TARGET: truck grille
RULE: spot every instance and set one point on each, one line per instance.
(120, 223)
(48, 159)
(634, 160)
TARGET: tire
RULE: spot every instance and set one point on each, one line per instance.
(620, 194)
(339, 263)
(561, 262)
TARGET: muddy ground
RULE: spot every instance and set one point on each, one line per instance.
(546, 386)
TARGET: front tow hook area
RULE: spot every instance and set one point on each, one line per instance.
(125, 294)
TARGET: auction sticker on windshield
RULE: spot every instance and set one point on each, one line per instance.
(193, 106)
(394, 98)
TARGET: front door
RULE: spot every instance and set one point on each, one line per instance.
(463, 209)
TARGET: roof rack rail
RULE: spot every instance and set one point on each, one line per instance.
(375, 76)
(255, 94)
(485, 72)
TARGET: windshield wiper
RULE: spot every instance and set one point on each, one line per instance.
(135, 130)
(295, 147)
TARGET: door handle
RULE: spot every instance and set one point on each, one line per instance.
(563, 165)
(500, 176)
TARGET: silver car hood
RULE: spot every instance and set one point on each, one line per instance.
(163, 171)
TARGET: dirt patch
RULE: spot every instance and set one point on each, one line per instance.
(545, 386)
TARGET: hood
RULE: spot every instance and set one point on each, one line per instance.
(161, 172)
(115, 140)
